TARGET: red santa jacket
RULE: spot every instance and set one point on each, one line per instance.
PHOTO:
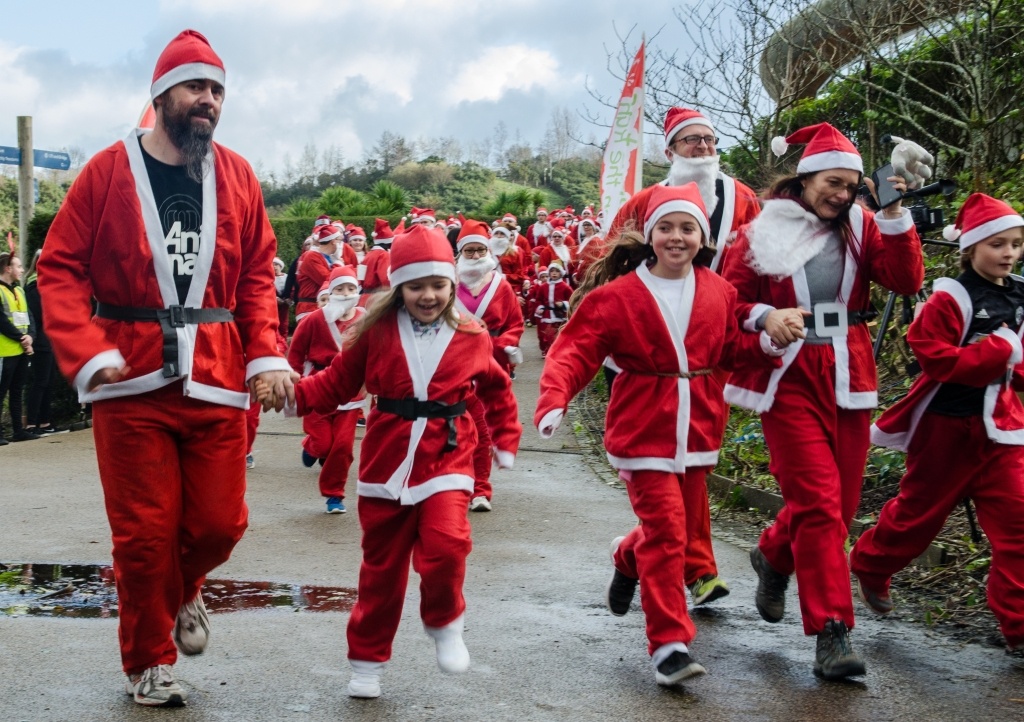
(500, 311)
(103, 244)
(739, 207)
(891, 256)
(537, 234)
(314, 269)
(378, 263)
(937, 338)
(512, 267)
(589, 251)
(546, 296)
(405, 460)
(656, 419)
(316, 342)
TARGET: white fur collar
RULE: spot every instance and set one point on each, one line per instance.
(783, 237)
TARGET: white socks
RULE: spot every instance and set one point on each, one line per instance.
(452, 655)
(365, 681)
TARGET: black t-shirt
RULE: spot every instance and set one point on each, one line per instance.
(179, 201)
(993, 306)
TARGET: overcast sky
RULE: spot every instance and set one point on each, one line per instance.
(327, 71)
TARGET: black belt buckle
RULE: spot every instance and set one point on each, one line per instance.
(177, 316)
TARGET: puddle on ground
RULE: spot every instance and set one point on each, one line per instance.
(88, 591)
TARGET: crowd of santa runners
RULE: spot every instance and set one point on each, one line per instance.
(699, 293)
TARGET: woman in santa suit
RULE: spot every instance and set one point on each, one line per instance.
(558, 250)
(510, 258)
(667, 321)
(487, 295)
(803, 269)
(415, 462)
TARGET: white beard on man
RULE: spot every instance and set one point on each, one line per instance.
(472, 272)
(702, 171)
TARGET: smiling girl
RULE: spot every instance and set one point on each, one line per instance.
(421, 358)
(666, 320)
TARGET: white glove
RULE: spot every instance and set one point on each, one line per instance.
(912, 162)
(550, 423)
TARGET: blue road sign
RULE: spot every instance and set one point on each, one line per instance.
(40, 158)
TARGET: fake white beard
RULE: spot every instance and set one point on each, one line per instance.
(702, 171)
(338, 306)
(541, 230)
(471, 271)
(500, 244)
(562, 251)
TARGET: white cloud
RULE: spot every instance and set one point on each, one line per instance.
(501, 69)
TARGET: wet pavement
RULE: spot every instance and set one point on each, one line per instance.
(542, 643)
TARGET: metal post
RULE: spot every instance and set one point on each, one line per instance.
(26, 192)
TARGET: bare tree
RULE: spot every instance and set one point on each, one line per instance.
(499, 143)
(480, 151)
(560, 137)
(391, 150)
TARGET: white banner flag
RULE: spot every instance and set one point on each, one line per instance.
(622, 167)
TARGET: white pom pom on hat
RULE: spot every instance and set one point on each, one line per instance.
(980, 217)
(951, 233)
(779, 146)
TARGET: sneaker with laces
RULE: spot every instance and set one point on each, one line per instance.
(480, 503)
(621, 588)
(878, 602)
(156, 687)
(192, 627)
(250, 462)
(707, 589)
(677, 667)
(335, 505)
(834, 657)
(365, 682)
(770, 597)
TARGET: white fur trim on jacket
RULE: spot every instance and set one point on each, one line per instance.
(784, 237)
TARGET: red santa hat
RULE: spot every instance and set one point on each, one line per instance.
(357, 232)
(326, 234)
(678, 118)
(981, 216)
(543, 210)
(321, 221)
(187, 57)
(473, 232)
(340, 275)
(826, 148)
(325, 290)
(277, 262)
(501, 230)
(590, 222)
(419, 253)
(509, 218)
(673, 199)
(542, 271)
(453, 222)
(419, 215)
(587, 212)
(382, 230)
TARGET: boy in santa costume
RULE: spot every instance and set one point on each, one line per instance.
(961, 424)
(667, 323)
(537, 233)
(318, 339)
(416, 460)
(485, 294)
(167, 231)
(803, 269)
(551, 306)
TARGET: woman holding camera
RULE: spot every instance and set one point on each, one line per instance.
(803, 269)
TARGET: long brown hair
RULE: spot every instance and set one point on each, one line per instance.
(391, 301)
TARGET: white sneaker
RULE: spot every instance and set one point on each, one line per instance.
(365, 682)
(156, 687)
(452, 655)
(192, 627)
(480, 503)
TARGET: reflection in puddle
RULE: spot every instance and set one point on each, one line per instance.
(87, 590)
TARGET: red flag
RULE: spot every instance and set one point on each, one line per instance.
(10, 240)
(622, 169)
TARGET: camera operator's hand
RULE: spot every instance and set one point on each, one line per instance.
(899, 184)
(785, 325)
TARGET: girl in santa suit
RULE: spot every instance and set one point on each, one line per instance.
(488, 296)
(357, 241)
(317, 341)
(803, 269)
(551, 306)
(667, 321)
(558, 250)
(416, 460)
(961, 424)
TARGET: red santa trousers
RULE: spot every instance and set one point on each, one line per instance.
(252, 424)
(949, 459)
(332, 437)
(173, 476)
(483, 454)
(435, 534)
(818, 452)
(654, 552)
(546, 333)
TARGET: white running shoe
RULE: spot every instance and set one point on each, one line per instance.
(192, 627)
(452, 655)
(365, 682)
(156, 687)
(480, 503)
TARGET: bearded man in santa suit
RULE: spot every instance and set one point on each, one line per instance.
(167, 231)
(691, 146)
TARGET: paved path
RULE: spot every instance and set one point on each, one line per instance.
(543, 646)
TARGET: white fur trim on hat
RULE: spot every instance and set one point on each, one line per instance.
(779, 146)
(472, 239)
(188, 71)
(277, 260)
(501, 229)
(676, 206)
(424, 269)
(698, 120)
(328, 239)
(337, 281)
(830, 160)
(991, 228)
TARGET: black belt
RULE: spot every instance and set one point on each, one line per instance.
(169, 319)
(412, 408)
(305, 300)
(852, 318)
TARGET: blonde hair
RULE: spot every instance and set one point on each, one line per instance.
(389, 303)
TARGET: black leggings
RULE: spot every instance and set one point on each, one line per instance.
(12, 379)
(37, 400)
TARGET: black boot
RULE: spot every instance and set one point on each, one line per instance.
(835, 658)
(771, 588)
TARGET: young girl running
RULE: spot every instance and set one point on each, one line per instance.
(421, 358)
(667, 321)
(552, 305)
(962, 424)
(331, 436)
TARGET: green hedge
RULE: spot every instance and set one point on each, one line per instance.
(38, 227)
(291, 232)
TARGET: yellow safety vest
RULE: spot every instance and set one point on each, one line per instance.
(14, 306)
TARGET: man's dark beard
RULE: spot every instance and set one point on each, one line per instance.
(191, 140)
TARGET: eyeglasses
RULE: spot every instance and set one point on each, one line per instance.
(473, 252)
(709, 140)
